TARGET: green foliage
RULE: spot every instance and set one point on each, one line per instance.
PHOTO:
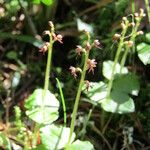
(24, 38)
(119, 100)
(54, 137)
(46, 2)
(143, 50)
(4, 142)
(108, 66)
(42, 109)
(80, 145)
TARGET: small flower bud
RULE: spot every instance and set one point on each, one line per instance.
(91, 64)
(97, 43)
(74, 71)
(78, 70)
(59, 38)
(79, 49)
(136, 14)
(129, 43)
(88, 84)
(88, 46)
(142, 13)
(47, 44)
(123, 25)
(46, 32)
(140, 33)
(124, 18)
(116, 37)
(50, 23)
(132, 24)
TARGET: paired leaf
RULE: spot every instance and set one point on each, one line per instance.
(108, 67)
(119, 100)
(54, 137)
(143, 50)
(42, 109)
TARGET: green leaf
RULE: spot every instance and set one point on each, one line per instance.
(96, 92)
(108, 66)
(12, 55)
(54, 137)
(81, 145)
(23, 38)
(84, 26)
(127, 83)
(143, 50)
(42, 110)
(147, 37)
(118, 102)
(47, 2)
(4, 141)
(36, 1)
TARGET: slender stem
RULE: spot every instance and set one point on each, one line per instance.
(113, 71)
(148, 9)
(115, 61)
(133, 6)
(63, 102)
(74, 114)
(87, 120)
(48, 66)
(127, 48)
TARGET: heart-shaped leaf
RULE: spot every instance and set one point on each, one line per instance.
(108, 66)
(42, 109)
(143, 50)
(118, 102)
(81, 145)
(127, 83)
(54, 137)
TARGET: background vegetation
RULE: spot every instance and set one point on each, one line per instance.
(22, 69)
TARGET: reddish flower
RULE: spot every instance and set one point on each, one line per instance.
(91, 64)
(57, 37)
(79, 50)
(88, 85)
(73, 71)
(88, 46)
(97, 44)
(44, 48)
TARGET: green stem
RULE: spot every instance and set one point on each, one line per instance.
(48, 66)
(116, 60)
(148, 9)
(127, 48)
(113, 71)
(63, 102)
(74, 114)
(47, 73)
(87, 120)
(133, 6)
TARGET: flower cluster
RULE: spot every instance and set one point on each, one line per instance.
(53, 36)
(89, 64)
(125, 24)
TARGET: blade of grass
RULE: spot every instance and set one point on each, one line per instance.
(63, 101)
